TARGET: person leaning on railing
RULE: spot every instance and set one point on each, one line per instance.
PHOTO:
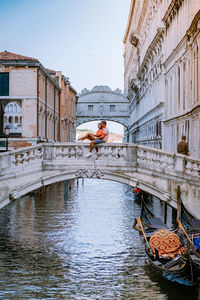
(183, 148)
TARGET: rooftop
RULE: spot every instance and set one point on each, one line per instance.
(9, 56)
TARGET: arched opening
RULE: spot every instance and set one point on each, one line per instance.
(116, 130)
(13, 118)
(10, 119)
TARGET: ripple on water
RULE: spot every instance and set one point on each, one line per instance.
(80, 248)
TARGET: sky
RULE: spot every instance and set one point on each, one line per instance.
(81, 38)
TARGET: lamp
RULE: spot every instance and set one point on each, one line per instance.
(7, 132)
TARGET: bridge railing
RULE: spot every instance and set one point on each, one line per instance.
(22, 158)
(167, 163)
(142, 158)
(80, 150)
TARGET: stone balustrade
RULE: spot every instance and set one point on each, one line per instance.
(153, 170)
(20, 158)
(141, 157)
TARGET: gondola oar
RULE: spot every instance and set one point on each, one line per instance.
(129, 190)
(141, 226)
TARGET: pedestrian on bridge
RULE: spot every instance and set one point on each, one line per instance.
(101, 139)
(91, 136)
(183, 148)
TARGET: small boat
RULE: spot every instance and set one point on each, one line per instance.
(163, 248)
(190, 229)
(137, 193)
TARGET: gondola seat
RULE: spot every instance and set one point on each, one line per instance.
(166, 242)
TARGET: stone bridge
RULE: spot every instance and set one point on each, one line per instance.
(103, 103)
(154, 171)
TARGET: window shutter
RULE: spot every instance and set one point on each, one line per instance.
(4, 84)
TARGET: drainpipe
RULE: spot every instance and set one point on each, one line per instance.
(54, 108)
(59, 116)
(46, 107)
(38, 102)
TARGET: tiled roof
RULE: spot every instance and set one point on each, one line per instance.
(9, 56)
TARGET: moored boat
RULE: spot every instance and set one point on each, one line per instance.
(163, 248)
(137, 193)
(190, 230)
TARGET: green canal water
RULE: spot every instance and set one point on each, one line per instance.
(79, 247)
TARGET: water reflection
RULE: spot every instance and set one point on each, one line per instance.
(80, 248)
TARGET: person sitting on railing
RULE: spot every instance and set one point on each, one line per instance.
(101, 139)
(91, 136)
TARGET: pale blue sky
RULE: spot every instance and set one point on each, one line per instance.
(81, 38)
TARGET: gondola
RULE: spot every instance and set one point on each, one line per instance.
(190, 229)
(137, 193)
(163, 248)
(140, 194)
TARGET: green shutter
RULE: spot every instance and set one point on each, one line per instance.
(4, 84)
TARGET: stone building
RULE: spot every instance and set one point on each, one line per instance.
(68, 101)
(24, 81)
(161, 72)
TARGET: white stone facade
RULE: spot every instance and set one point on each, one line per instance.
(162, 66)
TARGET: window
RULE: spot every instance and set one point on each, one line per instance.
(4, 84)
(112, 107)
(10, 120)
(159, 128)
(90, 107)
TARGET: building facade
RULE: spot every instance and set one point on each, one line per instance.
(26, 83)
(68, 101)
(161, 72)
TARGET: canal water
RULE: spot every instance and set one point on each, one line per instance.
(78, 247)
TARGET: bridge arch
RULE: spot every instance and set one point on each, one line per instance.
(102, 103)
(94, 173)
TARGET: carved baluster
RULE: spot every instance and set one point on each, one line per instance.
(123, 152)
(13, 160)
(26, 157)
(79, 151)
(21, 158)
(73, 152)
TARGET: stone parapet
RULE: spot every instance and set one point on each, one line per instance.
(155, 171)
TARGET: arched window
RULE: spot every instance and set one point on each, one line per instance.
(16, 119)
(5, 119)
(10, 120)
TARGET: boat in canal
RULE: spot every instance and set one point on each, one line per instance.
(190, 230)
(163, 248)
(137, 193)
